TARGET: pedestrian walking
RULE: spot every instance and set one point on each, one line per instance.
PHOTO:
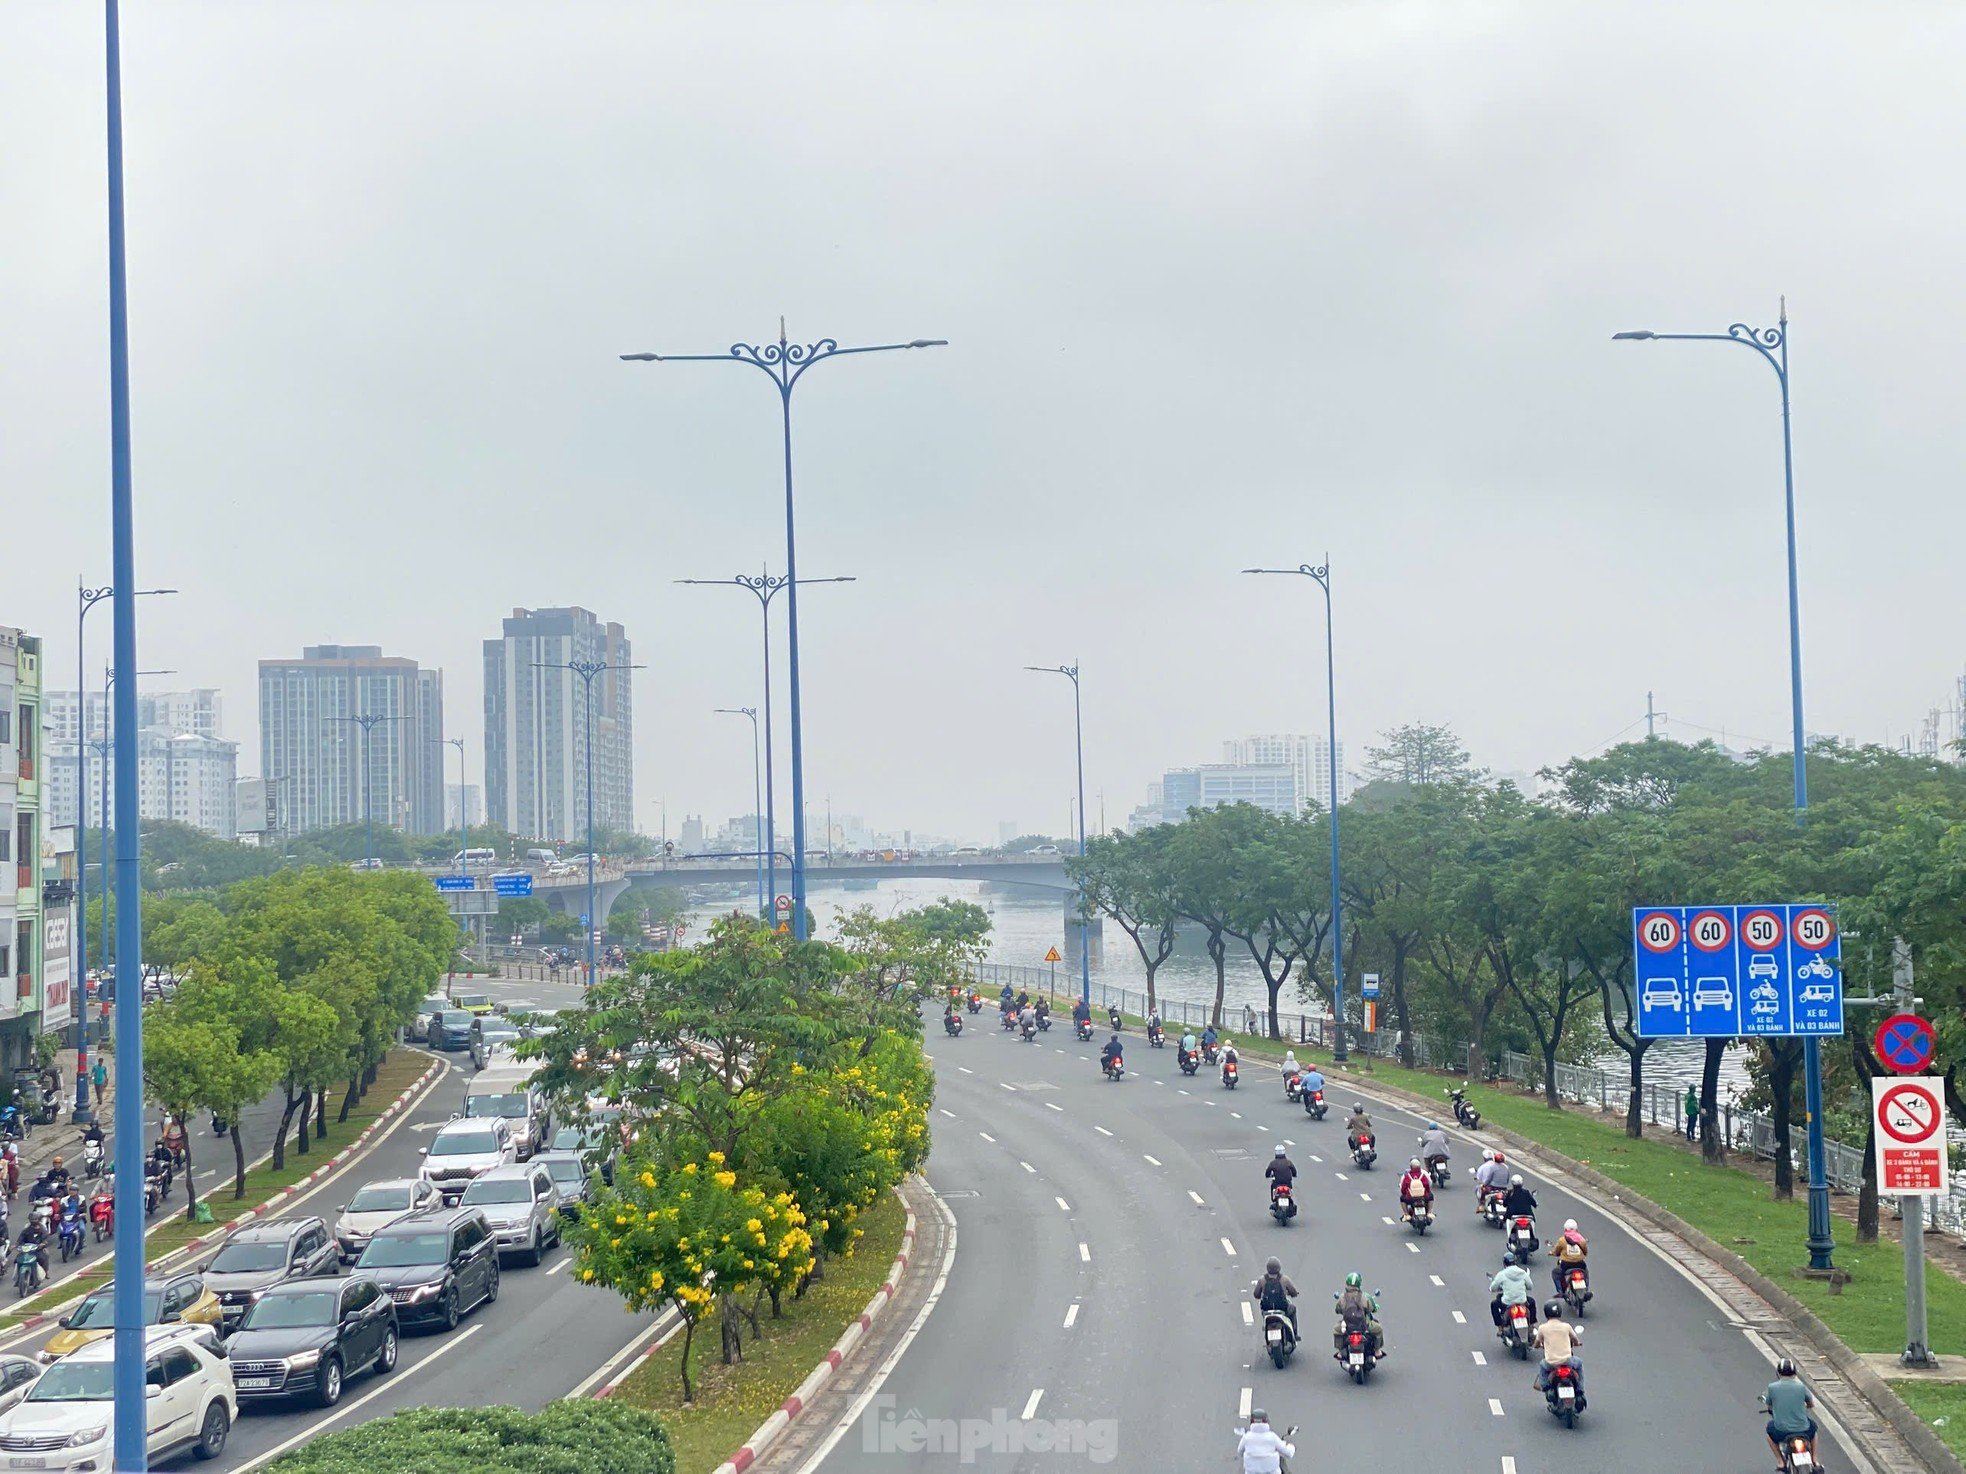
(1692, 1114)
(99, 1077)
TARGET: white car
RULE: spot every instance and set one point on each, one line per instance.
(462, 1149)
(17, 1375)
(377, 1205)
(63, 1423)
(1660, 993)
(1762, 965)
(1712, 993)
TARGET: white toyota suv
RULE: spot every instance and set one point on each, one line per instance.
(64, 1422)
(463, 1149)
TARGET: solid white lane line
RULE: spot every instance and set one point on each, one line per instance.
(1243, 1404)
(987, 1137)
(1102, 1130)
(1439, 1283)
(1248, 1315)
(563, 1262)
(1495, 1406)
(950, 1114)
(1459, 1319)
(1031, 1403)
(1151, 1161)
(966, 1069)
(1063, 1205)
(1002, 1086)
(1052, 1105)
(1071, 1314)
(1085, 1253)
(1228, 1248)
(346, 1408)
(1027, 1166)
(1197, 1197)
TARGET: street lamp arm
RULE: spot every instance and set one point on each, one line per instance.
(784, 361)
(1765, 341)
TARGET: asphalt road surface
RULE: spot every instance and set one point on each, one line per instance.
(1094, 1317)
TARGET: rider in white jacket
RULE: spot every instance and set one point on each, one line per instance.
(1262, 1451)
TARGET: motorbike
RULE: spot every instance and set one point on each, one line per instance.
(43, 1216)
(1114, 1066)
(1493, 1211)
(975, 1002)
(1293, 1086)
(1355, 1356)
(1419, 1215)
(1279, 1339)
(1576, 1282)
(1229, 1073)
(1044, 1023)
(952, 1024)
(102, 1213)
(1466, 1114)
(153, 1194)
(13, 1125)
(92, 1159)
(220, 1125)
(1009, 1022)
(1797, 1455)
(1365, 1153)
(1314, 1105)
(1085, 1031)
(1437, 1169)
(27, 1270)
(1561, 1394)
(1522, 1237)
(1190, 1060)
(1156, 1036)
(1515, 1330)
(1113, 1018)
(72, 1235)
(1031, 1031)
(1283, 1204)
(1207, 1053)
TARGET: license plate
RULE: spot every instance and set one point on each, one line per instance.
(254, 1384)
(1565, 1392)
(1358, 1358)
(28, 1461)
(1275, 1334)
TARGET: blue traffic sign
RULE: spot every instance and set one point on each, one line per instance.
(512, 885)
(1728, 971)
(456, 883)
(1368, 986)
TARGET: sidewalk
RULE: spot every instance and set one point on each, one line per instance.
(64, 1138)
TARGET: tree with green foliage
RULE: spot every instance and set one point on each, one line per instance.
(1126, 877)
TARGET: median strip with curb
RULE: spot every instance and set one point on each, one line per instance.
(233, 1225)
(773, 1428)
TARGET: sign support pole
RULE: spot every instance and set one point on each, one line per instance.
(1911, 1208)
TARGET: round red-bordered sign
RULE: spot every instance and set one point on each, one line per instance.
(1761, 931)
(1710, 931)
(1813, 930)
(1658, 931)
(1903, 1044)
(1919, 1108)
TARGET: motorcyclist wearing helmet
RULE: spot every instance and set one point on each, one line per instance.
(1113, 1053)
(1568, 1251)
(1274, 1291)
(1358, 1311)
(1433, 1145)
(1491, 1177)
(1290, 1065)
(1282, 1172)
(1081, 1012)
(1559, 1339)
(1187, 1049)
(1359, 1127)
(1788, 1403)
(1518, 1201)
(1261, 1448)
(1511, 1286)
(1027, 1019)
(1415, 1186)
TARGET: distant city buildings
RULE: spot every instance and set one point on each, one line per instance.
(1308, 758)
(187, 772)
(1271, 787)
(692, 841)
(536, 725)
(331, 771)
(466, 799)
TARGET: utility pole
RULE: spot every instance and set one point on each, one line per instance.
(1650, 717)
(1911, 1208)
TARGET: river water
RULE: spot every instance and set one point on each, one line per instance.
(1026, 924)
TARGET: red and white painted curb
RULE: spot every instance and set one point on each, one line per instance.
(759, 1443)
(225, 1230)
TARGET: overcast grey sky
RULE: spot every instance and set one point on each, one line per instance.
(1224, 284)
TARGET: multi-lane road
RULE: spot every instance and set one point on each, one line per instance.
(1095, 1315)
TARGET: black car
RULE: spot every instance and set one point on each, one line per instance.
(262, 1255)
(304, 1338)
(451, 1029)
(437, 1265)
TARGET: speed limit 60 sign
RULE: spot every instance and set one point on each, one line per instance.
(1731, 970)
(1911, 1140)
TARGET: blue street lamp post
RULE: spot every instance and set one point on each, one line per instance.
(757, 799)
(87, 598)
(785, 363)
(587, 670)
(1322, 575)
(368, 724)
(1773, 346)
(1071, 673)
(766, 587)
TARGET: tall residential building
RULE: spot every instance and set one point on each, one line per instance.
(181, 777)
(1269, 786)
(466, 798)
(536, 724)
(329, 769)
(199, 711)
(1308, 758)
(21, 837)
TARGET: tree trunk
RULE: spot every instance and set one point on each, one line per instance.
(238, 1163)
(280, 1136)
(1712, 1148)
(300, 1133)
(1218, 948)
(1867, 1195)
(1548, 1051)
(729, 1331)
(321, 1114)
(689, 1339)
(1635, 1108)
(1781, 1085)
(348, 1100)
(1400, 1011)
(777, 1307)
(751, 1312)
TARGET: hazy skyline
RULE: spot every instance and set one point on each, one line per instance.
(1223, 286)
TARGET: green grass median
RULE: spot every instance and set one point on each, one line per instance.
(731, 1401)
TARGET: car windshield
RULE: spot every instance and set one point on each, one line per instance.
(392, 1250)
(472, 1000)
(315, 1308)
(75, 1381)
(579, 1138)
(98, 1312)
(504, 1191)
(237, 1257)
(381, 1198)
(512, 1107)
(463, 1144)
(565, 1169)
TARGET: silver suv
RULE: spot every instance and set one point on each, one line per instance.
(463, 1150)
(521, 1205)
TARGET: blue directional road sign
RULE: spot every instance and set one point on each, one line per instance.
(456, 883)
(512, 885)
(1728, 971)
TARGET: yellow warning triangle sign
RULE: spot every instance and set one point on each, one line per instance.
(1054, 955)
(784, 928)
